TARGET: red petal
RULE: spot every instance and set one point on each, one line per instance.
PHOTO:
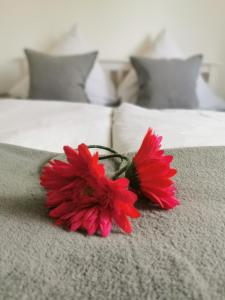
(105, 224)
(123, 223)
(71, 154)
(61, 210)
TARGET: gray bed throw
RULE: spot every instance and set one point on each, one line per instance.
(177, 254)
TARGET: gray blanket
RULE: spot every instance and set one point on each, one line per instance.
(177, 254)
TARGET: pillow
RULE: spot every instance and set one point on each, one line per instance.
(167, 83)
(99, 86)
(165, 47)
(59, 77)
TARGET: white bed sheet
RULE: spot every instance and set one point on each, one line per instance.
(48, 125)
(179, 128)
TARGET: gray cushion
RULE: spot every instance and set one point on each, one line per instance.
(59, 77)
(167, 83)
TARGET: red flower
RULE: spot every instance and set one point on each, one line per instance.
(82, 197)
(150, 172)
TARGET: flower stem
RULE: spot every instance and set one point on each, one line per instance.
(122, 170)
(114, 155)
(103, 148)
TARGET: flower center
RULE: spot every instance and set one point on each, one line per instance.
(88, 191)
(132, 175)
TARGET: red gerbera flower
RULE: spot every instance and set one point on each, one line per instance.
(82, 197)
(150, 172)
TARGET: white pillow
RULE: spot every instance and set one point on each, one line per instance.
(99, 86)
(165, 47)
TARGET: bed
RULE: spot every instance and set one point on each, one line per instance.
(170, 255)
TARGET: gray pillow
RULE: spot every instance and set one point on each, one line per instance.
(59, 77)
(167, 83)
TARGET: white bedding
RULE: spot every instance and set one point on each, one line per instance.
(179, 128)
(48, 125)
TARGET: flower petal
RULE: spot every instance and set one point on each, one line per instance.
(153, 172)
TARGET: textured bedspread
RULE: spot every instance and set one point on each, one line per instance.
(178, 254)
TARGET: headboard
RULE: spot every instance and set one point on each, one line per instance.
(118, 69)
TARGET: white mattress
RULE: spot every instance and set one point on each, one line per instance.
(48, 125)
(179, 128)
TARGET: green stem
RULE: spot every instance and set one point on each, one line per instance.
(103, 148)
(114, 155)
(122, 170)
(122, 157)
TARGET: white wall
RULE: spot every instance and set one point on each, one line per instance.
(115, 27)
